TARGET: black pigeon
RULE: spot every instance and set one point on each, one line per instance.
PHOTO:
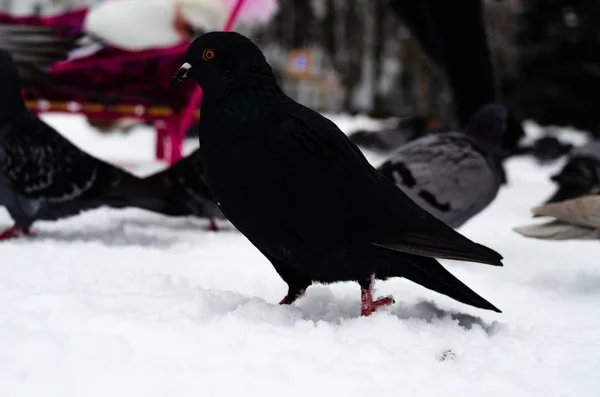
(545, 149)
(452, 175)
(580, 175)
(185, 179)
(303, 193)
(45, 177)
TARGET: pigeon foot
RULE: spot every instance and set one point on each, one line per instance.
(15, 232)
(212, 225)
(368, 305)
(289, 299)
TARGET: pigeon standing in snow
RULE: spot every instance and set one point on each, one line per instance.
(452, 175)
(581, 174)
(45, 177)
(186, 180)
(302, 193)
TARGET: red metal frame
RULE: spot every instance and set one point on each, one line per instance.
(171, 126)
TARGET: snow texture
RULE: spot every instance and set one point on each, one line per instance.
(127, 303)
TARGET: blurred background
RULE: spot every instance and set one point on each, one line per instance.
(354, 56)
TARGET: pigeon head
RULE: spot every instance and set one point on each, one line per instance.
(488, 124)
(229, 67)
(580, 176)
(10, 91)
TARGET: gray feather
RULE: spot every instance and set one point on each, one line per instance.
(45, 164)
(447, 174)
(558, 230)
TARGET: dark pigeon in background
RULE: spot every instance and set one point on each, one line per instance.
(452, 175)
(545, 149)
(303, 194)
(186, 180)
(580, 175)
(45, 177)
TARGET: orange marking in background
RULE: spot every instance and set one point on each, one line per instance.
(126, 110)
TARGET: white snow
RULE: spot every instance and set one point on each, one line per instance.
(127, 303)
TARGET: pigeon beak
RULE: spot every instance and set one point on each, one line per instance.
(181, 74)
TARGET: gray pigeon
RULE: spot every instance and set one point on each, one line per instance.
(580, 175)
(45, 177)
(452, 175)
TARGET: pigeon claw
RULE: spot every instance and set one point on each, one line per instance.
(369, 306)
(15, 232)
(212, 225)
(291, 298)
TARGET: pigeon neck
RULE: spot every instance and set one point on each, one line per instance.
(495, 155)
(240, 105)
(11, 105)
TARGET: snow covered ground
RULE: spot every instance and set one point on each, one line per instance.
(127, 303)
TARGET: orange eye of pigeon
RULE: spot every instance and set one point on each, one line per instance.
(207, 55)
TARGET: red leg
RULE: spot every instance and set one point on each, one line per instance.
(368, 306)
(287, 300)
(181, 25)
(172, 135)
(175, 146)
(212, 225)
(14, 232)
(161, 133)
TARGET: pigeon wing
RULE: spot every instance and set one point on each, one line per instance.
(40, 163)
(446, 174)
(355, 202)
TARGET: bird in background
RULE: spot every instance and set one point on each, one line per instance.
(544, 149)
(453, 175)
(45, 177)
(580, 175)
(185, 179)
(572, 219)
(303, 194)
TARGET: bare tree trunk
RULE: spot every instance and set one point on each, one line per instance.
(352, 70)
(303, 23)
(379, 41)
